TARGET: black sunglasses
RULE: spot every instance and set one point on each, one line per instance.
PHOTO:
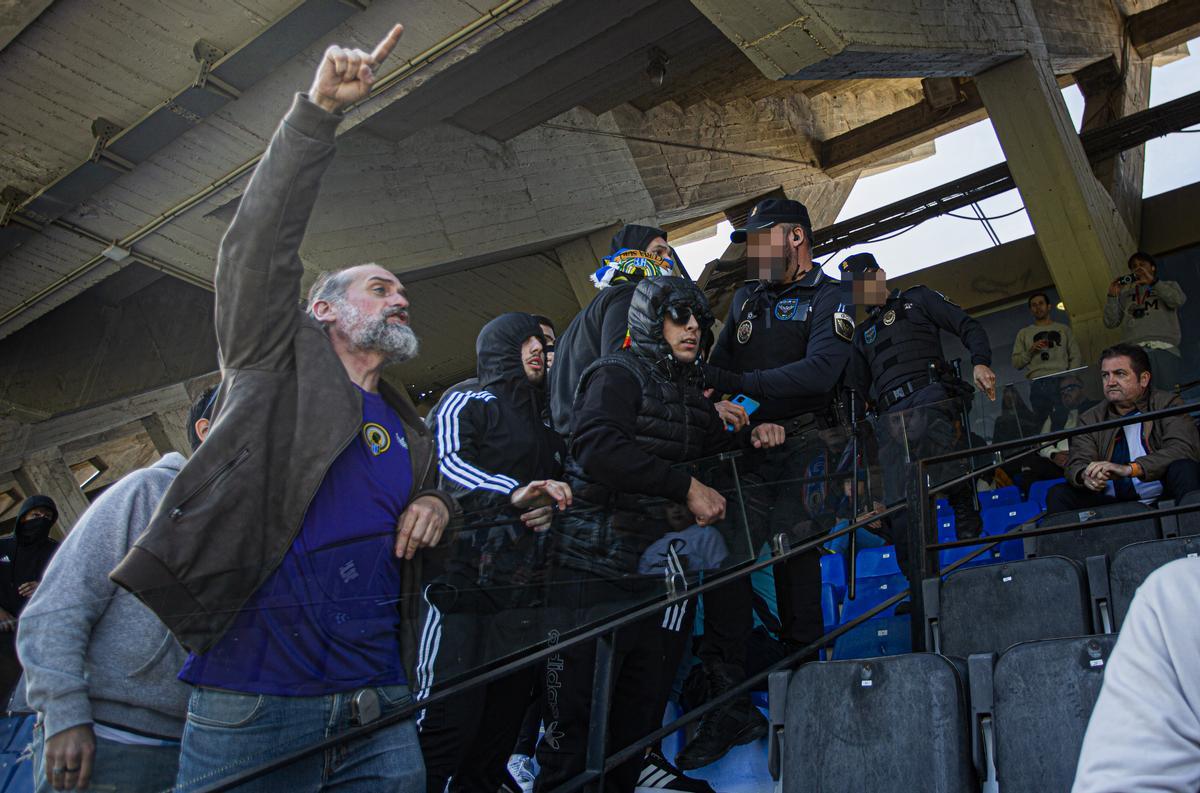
(681, 314)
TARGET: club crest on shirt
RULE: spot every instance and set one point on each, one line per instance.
(378, 439)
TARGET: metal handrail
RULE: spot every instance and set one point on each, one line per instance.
(610, 626)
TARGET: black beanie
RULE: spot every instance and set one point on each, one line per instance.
(636, 237)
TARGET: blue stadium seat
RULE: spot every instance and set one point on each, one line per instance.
(833, 572)
(996, 520)
(945, 521)
(870, 593)
(877, 562)
(1038, 491)
(829, 607)
(875, 638)
(1000, 497)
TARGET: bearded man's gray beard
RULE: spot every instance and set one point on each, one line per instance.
(397, 343)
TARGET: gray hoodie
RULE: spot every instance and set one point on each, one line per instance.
(92, 651)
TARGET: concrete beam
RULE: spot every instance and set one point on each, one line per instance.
(46, 473)
(580, 257)
(1109, 95)
(168, 431)
(898, 132)
(1164, 26)
(61, 430)
(1082, 237)
(824, 39)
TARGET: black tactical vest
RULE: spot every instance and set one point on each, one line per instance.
(899, 341)
(673, 412)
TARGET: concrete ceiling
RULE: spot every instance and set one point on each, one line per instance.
(495, 137)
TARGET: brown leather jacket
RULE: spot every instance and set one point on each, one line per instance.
(1166, 440)
(285, 411)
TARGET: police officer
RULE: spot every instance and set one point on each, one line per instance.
(899, 368)
(785, 344)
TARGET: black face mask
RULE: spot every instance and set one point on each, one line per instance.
(34, 529)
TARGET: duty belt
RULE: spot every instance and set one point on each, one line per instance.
(888, 398)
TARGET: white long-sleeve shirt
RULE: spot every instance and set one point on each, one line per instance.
(1144, 735)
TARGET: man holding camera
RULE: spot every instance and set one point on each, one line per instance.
(1147, 309)
(1044, 348)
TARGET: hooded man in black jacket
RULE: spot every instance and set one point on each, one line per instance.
(23, 559)
(599, 329)
(637, 414)
(498, 456)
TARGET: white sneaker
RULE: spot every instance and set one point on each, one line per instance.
(521, 768)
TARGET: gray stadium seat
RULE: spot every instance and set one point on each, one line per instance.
(1189, 523)
(1133, 563)
(988, 609)
(1031, 710)
(1082, 543)
(884, 724)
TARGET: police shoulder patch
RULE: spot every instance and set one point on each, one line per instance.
(843, 325)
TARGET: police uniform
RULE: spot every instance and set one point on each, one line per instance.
(786, 346)
(899, 366)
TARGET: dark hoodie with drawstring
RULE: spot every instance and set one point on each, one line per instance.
(497, 437)
(599, 329)
(25, 555)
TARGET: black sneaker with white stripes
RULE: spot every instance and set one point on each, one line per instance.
(658, 774)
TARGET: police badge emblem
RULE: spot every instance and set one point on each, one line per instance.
(744, 329)
(843, 325)
(786, 309)
(869, 334)
(889, 317)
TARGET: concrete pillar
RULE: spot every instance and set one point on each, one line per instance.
(1081, 235)
(168, 431)
(1109, 95)
(47, 473)
(580, 257)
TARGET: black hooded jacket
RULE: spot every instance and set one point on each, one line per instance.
(597, 330)
(496, 438)
(639, 411)
(25, 555)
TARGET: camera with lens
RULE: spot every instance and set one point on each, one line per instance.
(1137, 312)
(1126, 280)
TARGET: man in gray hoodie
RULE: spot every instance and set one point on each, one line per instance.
(100, 669)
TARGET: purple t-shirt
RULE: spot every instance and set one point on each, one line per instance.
(328, 619)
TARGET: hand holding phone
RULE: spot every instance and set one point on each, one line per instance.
(734, 409)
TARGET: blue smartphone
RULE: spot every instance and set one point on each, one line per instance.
(747, 404)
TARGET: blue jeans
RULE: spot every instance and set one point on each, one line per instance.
(117, 767)
(228, 732)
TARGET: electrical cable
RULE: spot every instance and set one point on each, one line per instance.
(990, 217)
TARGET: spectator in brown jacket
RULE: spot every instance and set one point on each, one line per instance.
(1140, 462)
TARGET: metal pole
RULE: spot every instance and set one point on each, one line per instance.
(852, 541)
(601, 703)
(919, 521)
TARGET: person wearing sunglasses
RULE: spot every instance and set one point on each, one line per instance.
(639, 413)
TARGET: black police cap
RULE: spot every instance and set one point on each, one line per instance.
(771, 212)
(859, 264)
